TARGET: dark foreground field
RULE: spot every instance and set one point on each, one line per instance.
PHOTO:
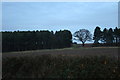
(62, 63)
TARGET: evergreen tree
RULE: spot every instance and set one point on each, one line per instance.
(116, 33)
(32, 40)
(104, 35)
(97, 35)
(110, 36)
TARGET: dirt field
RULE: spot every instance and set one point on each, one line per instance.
(91, 51)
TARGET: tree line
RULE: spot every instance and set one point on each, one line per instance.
(33, 40)
(107, 37)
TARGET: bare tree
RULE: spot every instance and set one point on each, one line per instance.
(83, 35)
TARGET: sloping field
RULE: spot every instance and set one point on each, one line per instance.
(90, 51)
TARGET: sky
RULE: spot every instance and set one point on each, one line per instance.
(57, 16)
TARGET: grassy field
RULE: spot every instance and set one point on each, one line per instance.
(88, 51)
(97, 62)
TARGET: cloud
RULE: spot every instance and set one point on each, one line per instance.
(58, 15)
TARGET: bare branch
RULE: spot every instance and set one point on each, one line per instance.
(83, 35)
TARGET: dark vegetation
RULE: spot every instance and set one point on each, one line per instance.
(47, 66)
(33, 40)
(83, 35)
(107, 37)
(65, 64)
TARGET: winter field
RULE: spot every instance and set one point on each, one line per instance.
(89, 62)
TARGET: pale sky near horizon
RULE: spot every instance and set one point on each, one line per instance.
(59, 15)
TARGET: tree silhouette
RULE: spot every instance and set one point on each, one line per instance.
(83, 35)
(116, 34)
(104, 36)
(110, 36)
(97, 35)
(32, 40)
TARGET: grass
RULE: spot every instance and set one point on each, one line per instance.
(60, 66)
(87, 51)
